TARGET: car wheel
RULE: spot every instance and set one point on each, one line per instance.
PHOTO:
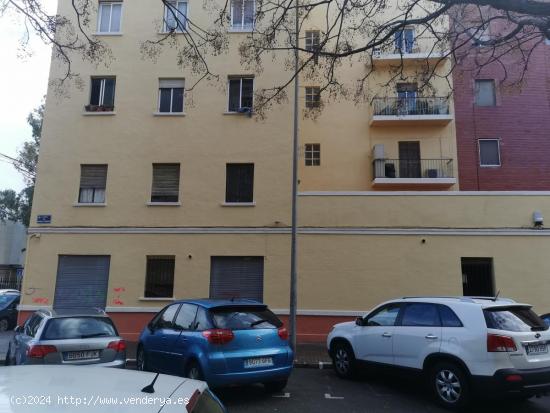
(194, 371)
(4, 324)
(141, 362)
(451, 386)
(275, 386)
(343, 360)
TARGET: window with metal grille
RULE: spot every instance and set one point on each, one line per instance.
(171, 93)
(242, 14)
(489, 152)
(485, 92)
(109, 17)
(159, 278)
(313, 97)
(93, 180)
(166, 182)
(102, 93)
(241, 93)
(175, 16)
(239, 182)
(313, 42)
(313, 154)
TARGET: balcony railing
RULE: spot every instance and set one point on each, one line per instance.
(410, 106)
(413, 168)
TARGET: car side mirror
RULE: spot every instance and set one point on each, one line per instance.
(151, 327)
(18, 329)
(359, 321)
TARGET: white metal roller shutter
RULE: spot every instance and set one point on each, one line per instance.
(82, 281)
(237, 277)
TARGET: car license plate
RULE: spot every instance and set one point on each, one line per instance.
(82, 355)
(537, 349)
(258, 362)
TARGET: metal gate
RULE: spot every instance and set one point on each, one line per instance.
(237, 277)
(82, 281)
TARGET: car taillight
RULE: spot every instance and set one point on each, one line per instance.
(193, 401)
(118, 346)
(496, 343)
(40, 351)
(283, 333)
(218, 335)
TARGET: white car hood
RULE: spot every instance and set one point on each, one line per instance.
(96, 389)
(346, 324)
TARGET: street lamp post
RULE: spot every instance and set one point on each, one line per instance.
(293, 274)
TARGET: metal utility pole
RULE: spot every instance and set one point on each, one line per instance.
(293, 275)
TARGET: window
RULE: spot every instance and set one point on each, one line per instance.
(480, 33)
(313, 154)
(175, 16)
(102, 94)
(166, 182)
(313, 97)
(547, 40)
(242, 14)
(313, 42)
(448, 317)
(241, 93)
(202, 322)
(421, 315)
(159, 279)
(32, 324)
(171, 95)
(404, 40)
(110, 14)
(489, 152)
(477, 276)
(485, 92)
(513, 318)
(69, 328)
(93, 180)
(186, 317)
(244, 318)
(166, 317)
(384, 316)
(239, 182)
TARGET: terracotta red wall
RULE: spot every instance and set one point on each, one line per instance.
(311, 329)
(521, 120)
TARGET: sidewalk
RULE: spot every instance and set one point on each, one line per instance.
(307, 355)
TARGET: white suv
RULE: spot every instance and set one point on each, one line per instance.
(460, 344)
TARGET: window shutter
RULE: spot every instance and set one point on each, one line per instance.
(93, 176)
(171, 83)
(240, 183)
(166, 181)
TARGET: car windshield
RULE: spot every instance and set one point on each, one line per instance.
(7, 299)
(78, 327)
(244, 318)
(516, 319)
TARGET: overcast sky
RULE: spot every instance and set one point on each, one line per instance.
(23, 82)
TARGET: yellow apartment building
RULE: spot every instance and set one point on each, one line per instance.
(147, 192)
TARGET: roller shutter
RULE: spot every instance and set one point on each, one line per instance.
(238, 277)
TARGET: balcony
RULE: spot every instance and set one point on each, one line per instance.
(410, 111)
(409, 53)
(429, 173)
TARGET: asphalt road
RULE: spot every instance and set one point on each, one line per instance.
(320, 391)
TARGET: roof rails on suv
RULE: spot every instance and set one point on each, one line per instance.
(465, 298)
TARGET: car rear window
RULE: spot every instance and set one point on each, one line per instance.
(78, 327)
(7, 299)
(513, 319)
(244, 318)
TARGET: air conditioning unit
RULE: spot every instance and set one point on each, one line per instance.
(378, 151)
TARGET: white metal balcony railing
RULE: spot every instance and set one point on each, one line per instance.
(413, 168)
(410, 106)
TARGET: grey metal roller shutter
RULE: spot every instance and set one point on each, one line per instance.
(82, 281)
(237, 277)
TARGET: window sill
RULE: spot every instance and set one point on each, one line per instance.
(238, 204)
(169, 114)
(107, 34)
(237, 30)
(156, 298)
(98, 113)
(175, 32)
(243, 114)
(89, 204)
(489, 166)
(163, 203)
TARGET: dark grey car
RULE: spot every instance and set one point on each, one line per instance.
(68, 336)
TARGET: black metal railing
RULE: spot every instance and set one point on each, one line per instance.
(409, 106)
(413, 168)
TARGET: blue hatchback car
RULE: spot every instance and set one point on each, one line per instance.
(223, 342)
